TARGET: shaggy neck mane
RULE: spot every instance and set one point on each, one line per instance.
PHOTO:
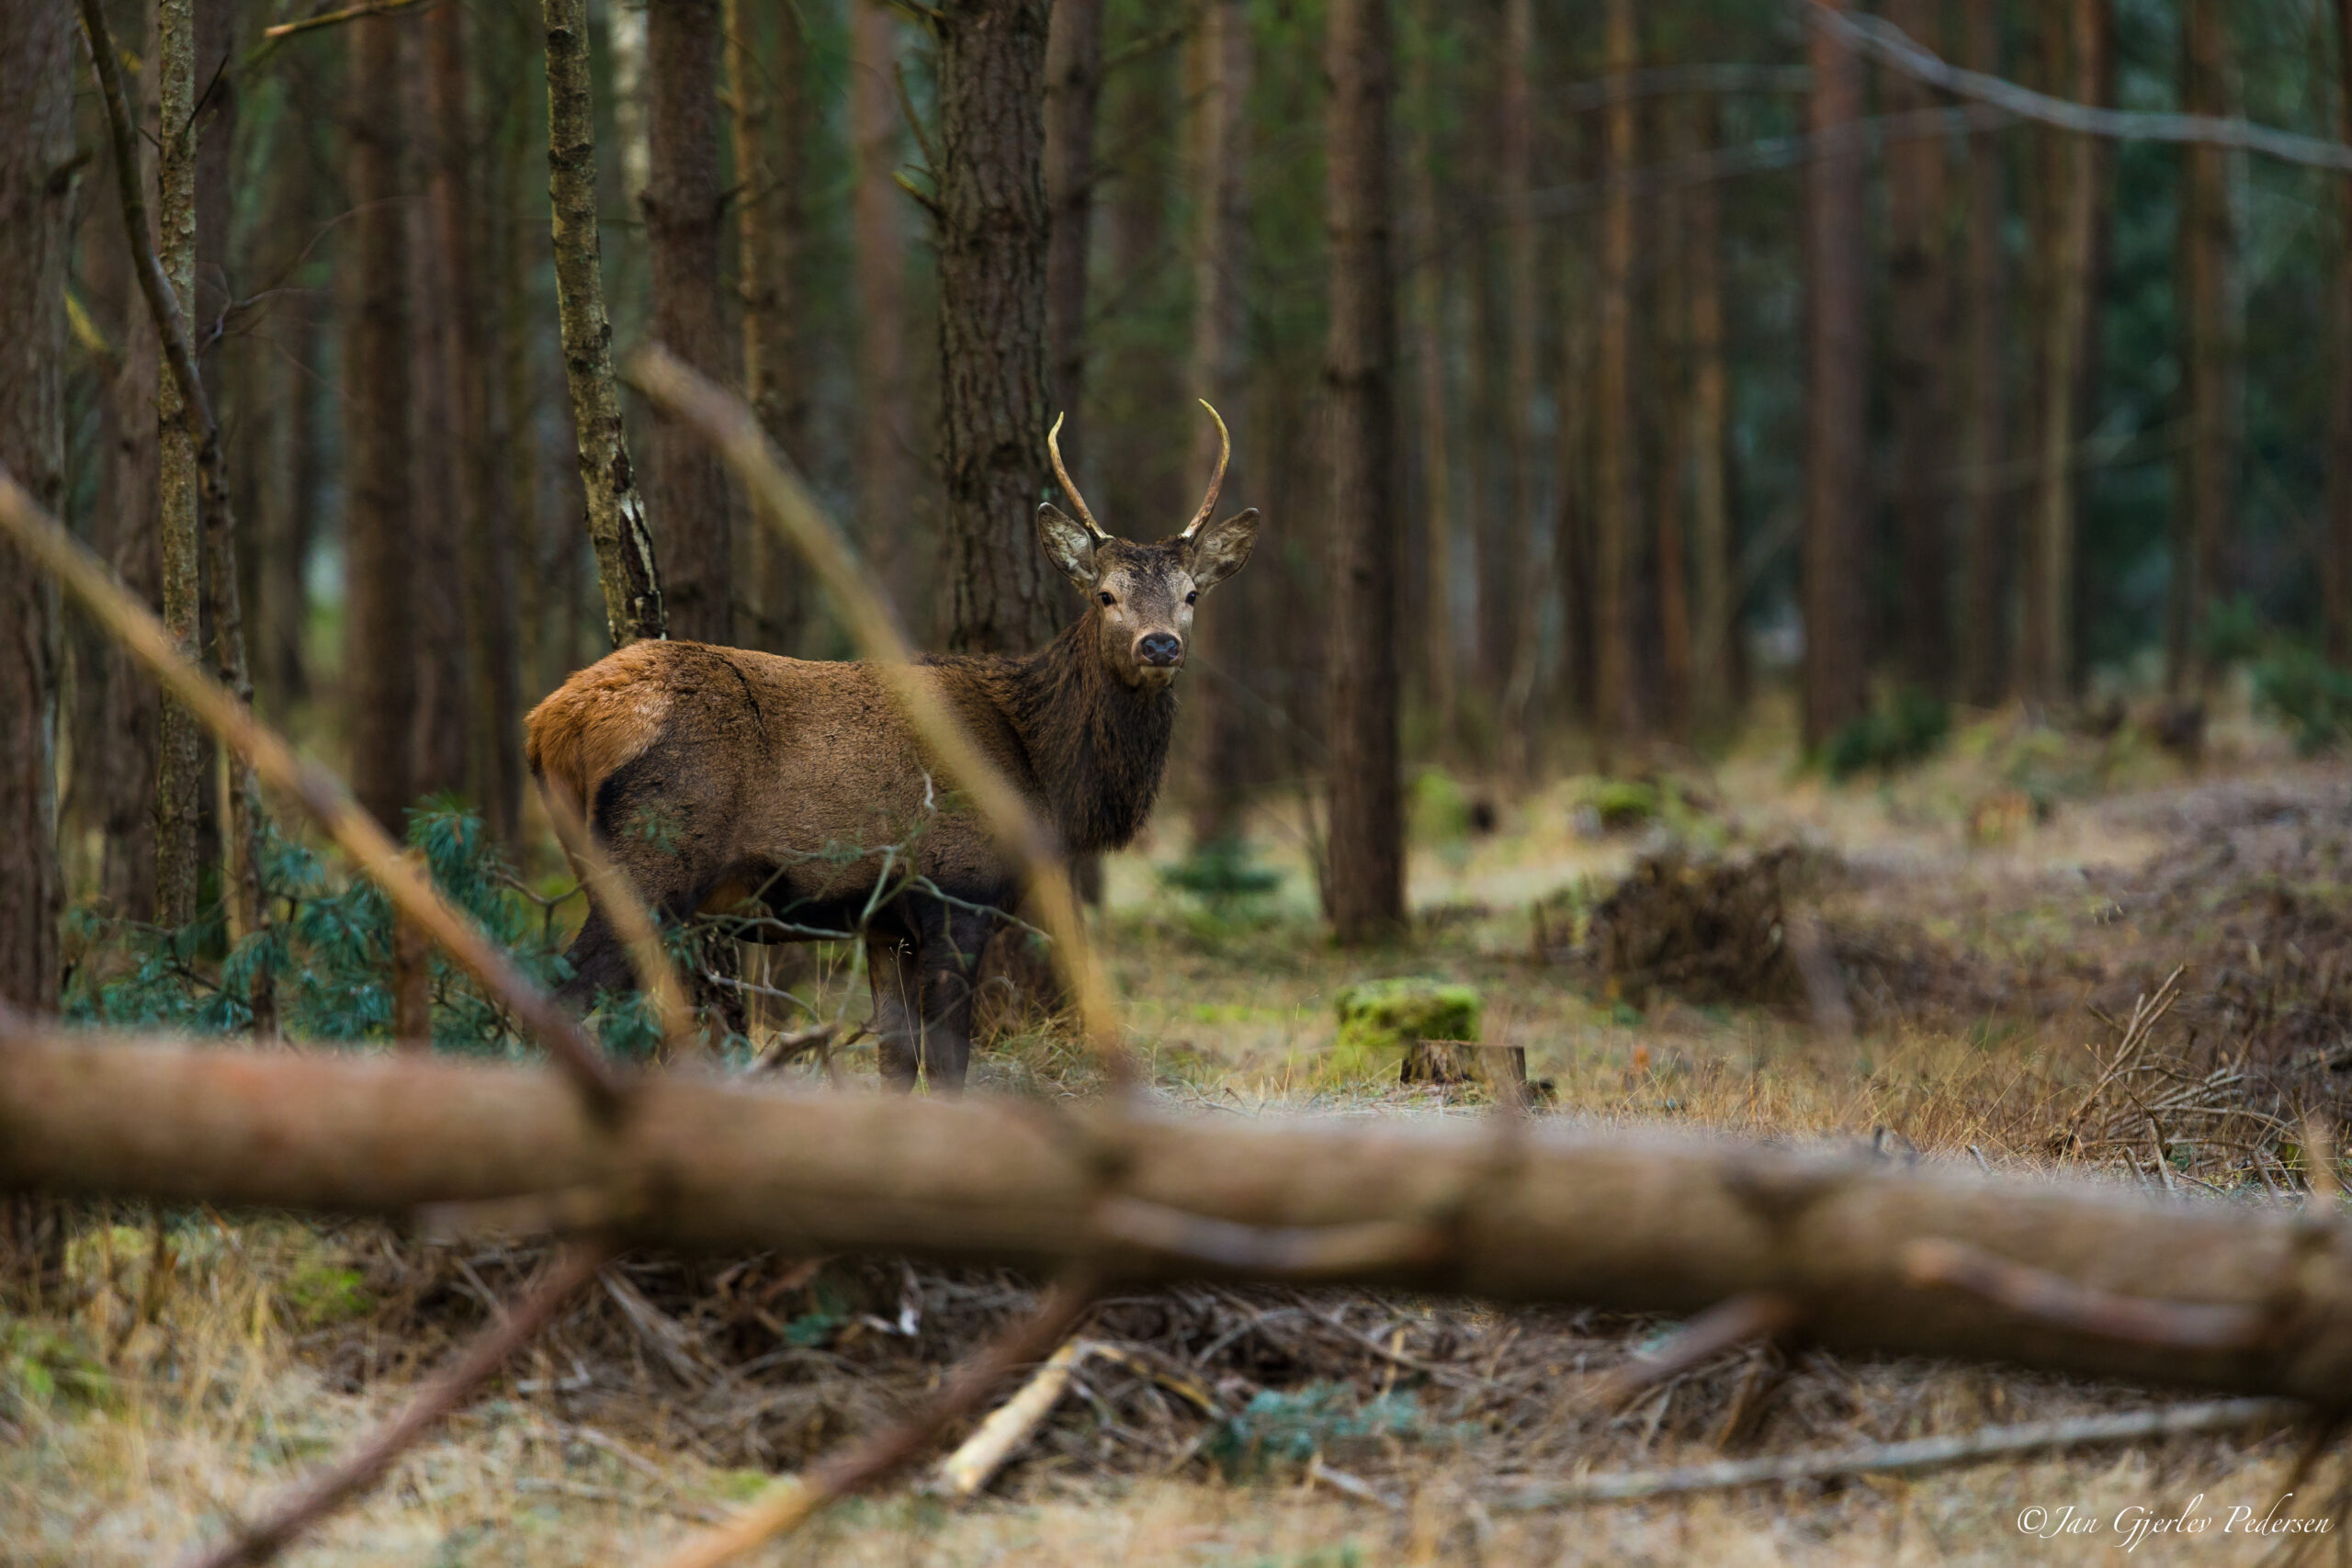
(1097, 747)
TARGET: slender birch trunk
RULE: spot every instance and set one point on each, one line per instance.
(626, 566)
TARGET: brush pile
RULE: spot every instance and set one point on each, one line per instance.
(1704, 930)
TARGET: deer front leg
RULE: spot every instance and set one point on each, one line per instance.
(895, 981)
(952, 944)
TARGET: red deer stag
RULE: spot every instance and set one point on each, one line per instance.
(720, 778)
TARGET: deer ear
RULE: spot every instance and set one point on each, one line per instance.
(1219, 550)
(1068, 546)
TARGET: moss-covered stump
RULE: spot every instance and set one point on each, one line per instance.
(1428, 1028)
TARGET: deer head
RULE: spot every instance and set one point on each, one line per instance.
(1143, 594)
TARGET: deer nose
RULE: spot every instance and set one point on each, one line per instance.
(1161, 648)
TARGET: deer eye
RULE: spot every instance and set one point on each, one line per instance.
(1107, 598)
(1194, 597)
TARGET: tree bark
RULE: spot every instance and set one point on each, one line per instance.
(181, 757)
(486, 553)
(1220, 375)
(1714, 545)
(2212, 349)
(1522, 607)
(1367, 834)
(1666, 401)
(769, 126)
(1919, 362)
(37, 182)
(1441, 518)
(440, 757)
(687, 492)
(1984, 629)
(1835, 552)
(626, 565)
(2073, 38)
(990, 231)
(2068, 1276)
(1073, 94)
(1615, 517)
(2337, 554)
(885, 421)
(379, 670)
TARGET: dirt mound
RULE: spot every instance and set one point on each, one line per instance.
(1705, 930)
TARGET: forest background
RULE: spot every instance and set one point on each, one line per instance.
(1599, 369)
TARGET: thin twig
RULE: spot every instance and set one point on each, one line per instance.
(1764, 1315)
(1919, 1454)
(335, 18)
(790, 511)
(612, 894)
(260, 1542)
(325, 797)
(788, 1504)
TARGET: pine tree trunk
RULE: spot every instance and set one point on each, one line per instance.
(2337, 556)
(1522, 609)
(1615, 520)
(770, 132)
(1918, 368)
(686, 490)
(626, 565)
(129, 534)
(2211, 351)
(282, 606)
(1073, 93)
(1441, 518)
(991, 232)
(380, 673)
(1220, 374)
(181, 758)
(436, 634)
(1984, 639)
(1366, 845)
(885, 445)
(1666, 401)
(35, 240)
(486, 545)
(2071, 43)
(1835, 543)
(1715, 546)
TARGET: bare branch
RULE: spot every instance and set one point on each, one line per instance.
(1764, 1315)
(1890, 45)
(1913, 1457)
(365, 1465)
(349, 13)
(791, 1502)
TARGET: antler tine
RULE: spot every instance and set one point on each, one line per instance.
(1217, 479)
(1069, 487)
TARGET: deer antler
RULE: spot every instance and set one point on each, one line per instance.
(1069, 487)
(1217, 479)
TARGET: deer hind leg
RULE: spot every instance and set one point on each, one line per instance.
(891, 972)
(953, 940)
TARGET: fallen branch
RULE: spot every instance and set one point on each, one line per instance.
(335, 18)
(322, 796)
(979, 1457)
(260, 1542)
(1909, 1458)
(1646, 1224)
(791, 1502)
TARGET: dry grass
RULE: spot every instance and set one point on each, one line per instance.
(152, 1404)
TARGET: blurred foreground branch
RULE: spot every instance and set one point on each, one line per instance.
(1658, 1225)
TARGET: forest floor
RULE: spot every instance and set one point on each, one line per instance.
(1992, 912)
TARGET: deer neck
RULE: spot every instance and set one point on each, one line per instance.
(1098, 747)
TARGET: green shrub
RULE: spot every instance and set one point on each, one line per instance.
(327, 953)
(2310, 697)
(1907, 729)
(1221, 874)
(1288, 1426)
